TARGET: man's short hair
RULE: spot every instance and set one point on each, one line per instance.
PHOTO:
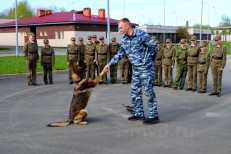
(125, 20)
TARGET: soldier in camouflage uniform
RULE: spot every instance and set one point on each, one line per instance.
(30, 52)
(202, 68)
(181, 66)
(168, 63)
(141, 51)
(47, 61)
(124, 69)
(72, 57)
(158, 65)
(113, 49)
(217, 64)
(101, 57)
(81, 53)
(96, 42)
(90, 58)
(193, 53)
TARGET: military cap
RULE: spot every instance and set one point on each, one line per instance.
(80, 39)
(194, 37)
(45, 41)
(94, 36)
(157, 41)
(168, 41)
(31, 34)
(218, 37)
(204, 44)
(183, 41)
(101, 38)
(72, 38)
(89, 37)
(113, 39)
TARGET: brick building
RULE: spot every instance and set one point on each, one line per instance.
(59, 27)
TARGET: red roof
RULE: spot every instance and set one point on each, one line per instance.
(60, 17)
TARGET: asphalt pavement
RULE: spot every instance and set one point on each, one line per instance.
(191, 123)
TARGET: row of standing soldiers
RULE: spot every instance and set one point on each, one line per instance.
(192, 60)
(94, 56)
(30, 52)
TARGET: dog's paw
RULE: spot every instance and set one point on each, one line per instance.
(83, 123)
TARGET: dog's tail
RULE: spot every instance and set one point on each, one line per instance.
(59, 124)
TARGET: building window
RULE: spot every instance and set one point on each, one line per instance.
(61, 34)
(41, 33)
(45, 33)
(56, 35)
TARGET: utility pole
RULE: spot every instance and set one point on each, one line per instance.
(108, 22)
(164, 24)
(16, 26)
(201, 20)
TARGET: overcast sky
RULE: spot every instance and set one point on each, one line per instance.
(177, 12)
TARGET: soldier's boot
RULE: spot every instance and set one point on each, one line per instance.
(188, 89)
(218, 93)
(213, 93)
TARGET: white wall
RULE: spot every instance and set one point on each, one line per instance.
(9, 39)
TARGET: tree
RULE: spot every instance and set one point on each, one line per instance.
(24, 11)
(182, 33)
(203, 26)
(225, 21)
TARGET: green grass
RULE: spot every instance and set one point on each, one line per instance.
(228, 46)
(14, 65)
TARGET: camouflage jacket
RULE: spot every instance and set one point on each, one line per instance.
(102, 52)
(193, 53)
(113, 49)
(72, 53)
(30, 51)
(181, 56)
(139, 47)
(203, 62)
(159, 56)
(218, 56)
(81, 51)
(90, 51)
(47, 55)
(169, 56)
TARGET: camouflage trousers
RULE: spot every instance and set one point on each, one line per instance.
(113, 73)
(192, 76)
(167, 75)
(124, 70)
(90, 69)
(158, 74)
(143, 76)
(31, 71)
(203, 80)
(101, 65)
(47, 69)
(217, 78)
(181, 73)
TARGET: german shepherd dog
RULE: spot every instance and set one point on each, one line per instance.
(81, 95)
